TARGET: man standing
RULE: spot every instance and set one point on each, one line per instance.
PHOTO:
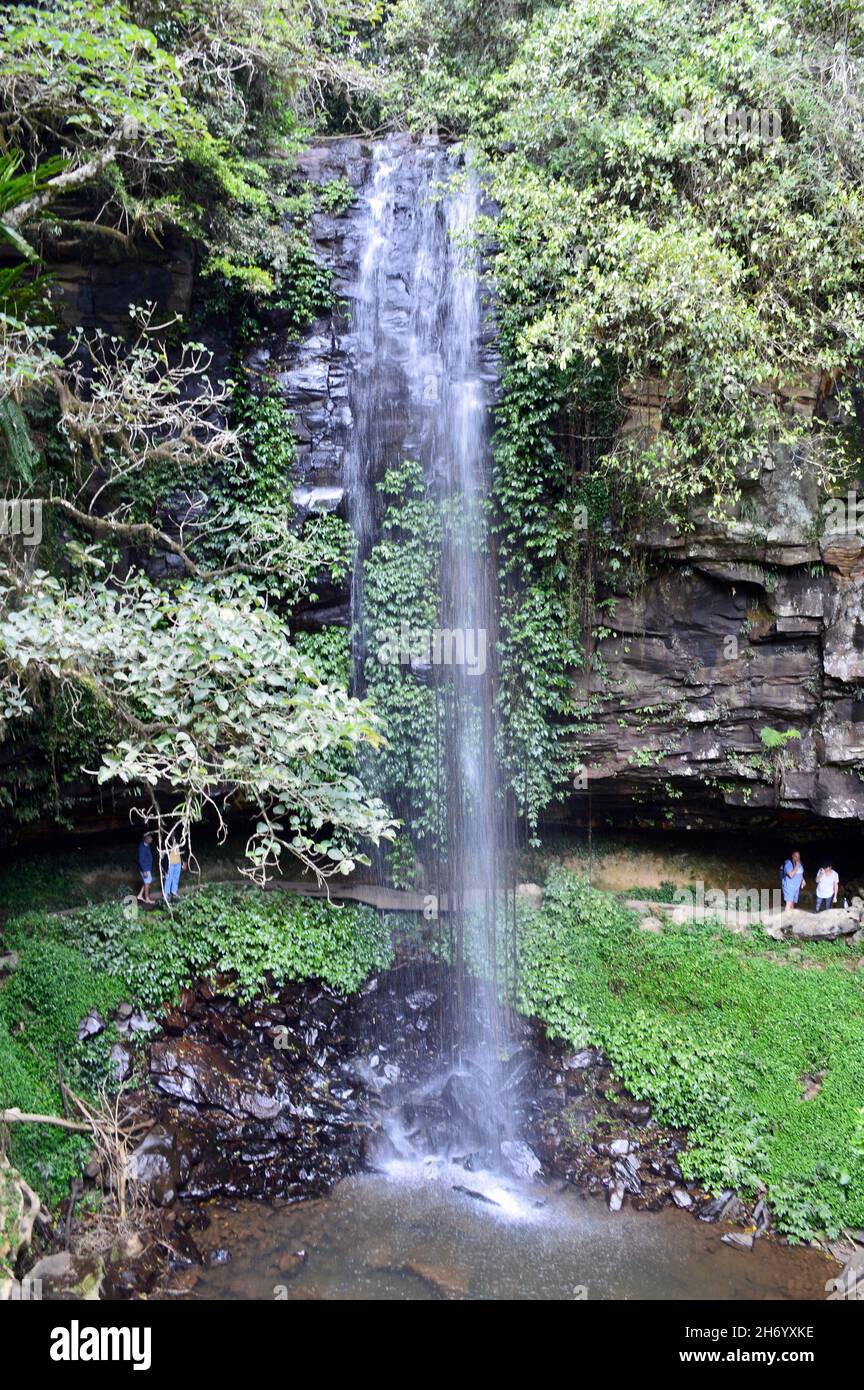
(827, 886)
(145, 865)
(175, 864)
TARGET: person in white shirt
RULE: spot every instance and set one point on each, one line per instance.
(827, 886)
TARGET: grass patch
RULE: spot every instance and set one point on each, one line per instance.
(41, 1005)
(708, 1027)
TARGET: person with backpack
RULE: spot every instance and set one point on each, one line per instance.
(145, 868)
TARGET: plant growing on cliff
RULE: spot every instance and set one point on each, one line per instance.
(642, 254)
(98, 956)
(400, 586)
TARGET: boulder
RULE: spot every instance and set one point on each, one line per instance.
(91, 1025)
(447, 1280)
(616, 1195)
(155, 1165)
(521, 1159)
(652, 924)
(739, 1240)
(121, 1059)
(818, 926)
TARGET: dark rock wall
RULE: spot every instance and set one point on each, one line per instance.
(738, 628)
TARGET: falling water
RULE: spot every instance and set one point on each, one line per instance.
(422, 386)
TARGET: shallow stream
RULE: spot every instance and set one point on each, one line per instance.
(410, 1233)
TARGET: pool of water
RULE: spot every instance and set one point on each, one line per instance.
(434, 1231)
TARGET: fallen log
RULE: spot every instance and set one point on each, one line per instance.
(15, 1116)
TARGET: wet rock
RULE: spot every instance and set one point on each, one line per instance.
(616, 1196)
(478, 1196)
(447, 1280)
(620, 1146)
(174, 1022)
(134, 1278)
(761, 1217)
(120, 1060)
(682, 1198)
(638, 1112)
(184, 1281)
(723, 1208)
(309, 500)
(467, 1101)
(579, 1061)
(205, 1075)
(653, 1197)
(137, 1022)
(91, 1025)
(219, 1256)
(184, 1251)
(155, 1164)
(420, 999)
(521, 1160)
(739, 1240)
(626, 1174)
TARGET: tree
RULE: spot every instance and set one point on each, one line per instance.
(212, 707)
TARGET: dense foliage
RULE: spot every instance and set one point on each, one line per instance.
(126, 126)
(401, 587)
(98, 956)
(720, 1032)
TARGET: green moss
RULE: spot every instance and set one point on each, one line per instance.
(718, 1031)
(41, 1006)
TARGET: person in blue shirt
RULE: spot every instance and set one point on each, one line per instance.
(145, 865)
(793, 879)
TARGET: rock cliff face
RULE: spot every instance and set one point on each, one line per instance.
(737, 628)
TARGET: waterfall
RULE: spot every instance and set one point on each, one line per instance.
(421, 390)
